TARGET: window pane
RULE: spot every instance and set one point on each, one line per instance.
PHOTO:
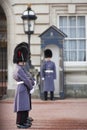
(72, 56)
(72, 50)
(72, 32)
(81, 56)
(81, 21)
(62, 21)
(81, 44)
(72, 45)
(80, 32)
(72, 21)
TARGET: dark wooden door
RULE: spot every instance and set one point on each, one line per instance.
(3, 53)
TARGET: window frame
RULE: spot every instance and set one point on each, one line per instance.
(75, 65)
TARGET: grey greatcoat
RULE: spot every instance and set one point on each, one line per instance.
(22, 101)
(48, 73)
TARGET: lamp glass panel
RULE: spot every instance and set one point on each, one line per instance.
(25, 25)
(31, 25)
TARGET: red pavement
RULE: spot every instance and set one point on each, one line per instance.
(67, 114)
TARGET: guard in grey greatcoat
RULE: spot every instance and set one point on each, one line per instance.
(48, 74)
(24, 86)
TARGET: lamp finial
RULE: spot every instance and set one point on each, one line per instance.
(29, 5)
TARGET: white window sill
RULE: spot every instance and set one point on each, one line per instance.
(75, 66)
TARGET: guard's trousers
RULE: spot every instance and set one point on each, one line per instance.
(21, 117)
(46, 95)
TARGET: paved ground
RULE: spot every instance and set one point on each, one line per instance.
(67, 114)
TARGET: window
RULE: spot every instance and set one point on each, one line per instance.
(75, 43)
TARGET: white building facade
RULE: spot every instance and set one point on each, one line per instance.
(69, 16)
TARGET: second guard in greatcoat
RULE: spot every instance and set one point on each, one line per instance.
(48, 74)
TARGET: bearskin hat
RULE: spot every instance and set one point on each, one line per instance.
(21, 53)
(47, 53)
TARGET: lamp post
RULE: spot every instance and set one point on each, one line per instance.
(29, 18)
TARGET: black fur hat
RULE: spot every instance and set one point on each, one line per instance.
(20, 53)
(47, 53)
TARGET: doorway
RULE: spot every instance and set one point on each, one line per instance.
(3, 53)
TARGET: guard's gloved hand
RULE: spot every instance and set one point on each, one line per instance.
(32, 91)
(42, 78)
(35, 82)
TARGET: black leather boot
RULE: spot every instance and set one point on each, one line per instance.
(51, 95)
(45, 95)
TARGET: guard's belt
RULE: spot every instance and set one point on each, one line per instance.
(48, 71)
(20, 82)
